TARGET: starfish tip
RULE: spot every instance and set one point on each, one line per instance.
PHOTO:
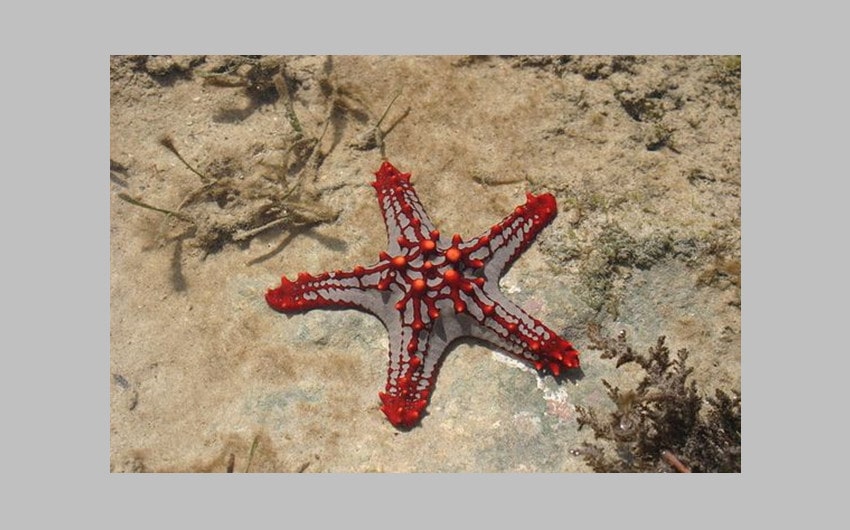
(546, 203)
(401, 412)
(388, 174)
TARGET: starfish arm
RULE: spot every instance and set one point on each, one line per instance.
(414, 359)
(504, 242)
(404, 215)
(520, 335)
(360, 288)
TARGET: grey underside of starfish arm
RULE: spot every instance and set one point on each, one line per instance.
(356, 292)
(400, 224)
(432, 345)
(435, 343)
(507, 240)
(501, 252)
(493, 331)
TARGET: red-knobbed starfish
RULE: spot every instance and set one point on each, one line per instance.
(429, 289)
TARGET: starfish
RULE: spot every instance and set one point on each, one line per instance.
(429, 289)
